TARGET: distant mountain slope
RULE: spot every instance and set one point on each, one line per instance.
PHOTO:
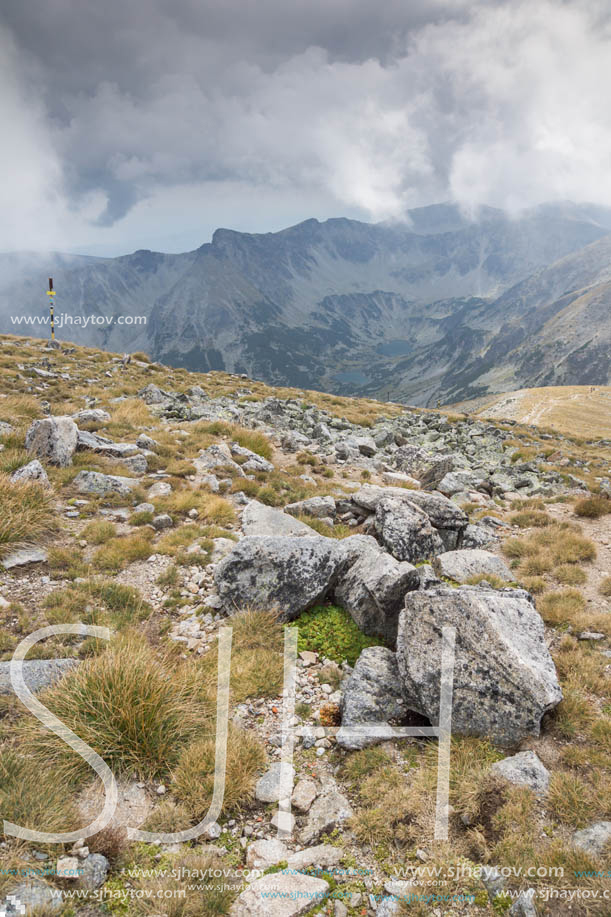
(580, 410)
(422, 310)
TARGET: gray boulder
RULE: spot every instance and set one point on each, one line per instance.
(369, 495)
(33, 471)
(504, 676)
(457, 481)
(53, 439)
(329, 811)
(23, 556)
(94, 871)
(254, 462)
(523, 769)
(373, 586)
(288, 573)
(37, 673)
(445, 516)
(462, 565)
(94, 482)
(280, 894)
(476, 535)
(137, 464)
(318, 507)
(259, 519)
(152, 394)
(373, 695)
(104, 446)
(366, 445)
(31, 898)
(146, 442)
(524, 905)
(91, 416)
(593, 839)
(269, 787)
(216, 457)
(406, 531)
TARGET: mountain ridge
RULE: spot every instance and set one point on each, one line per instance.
(424, 310)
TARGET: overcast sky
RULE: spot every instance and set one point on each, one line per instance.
(148, 123)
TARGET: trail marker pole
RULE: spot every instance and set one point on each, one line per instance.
(51, 293)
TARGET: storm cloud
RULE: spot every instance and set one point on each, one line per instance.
(150, 123)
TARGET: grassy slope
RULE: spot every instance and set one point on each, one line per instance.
(579, 410)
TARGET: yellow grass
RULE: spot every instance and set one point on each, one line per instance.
(581, 410)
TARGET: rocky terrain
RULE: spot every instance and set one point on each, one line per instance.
(442, 307)
(168, 505)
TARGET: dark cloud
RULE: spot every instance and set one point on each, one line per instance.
(153, 121)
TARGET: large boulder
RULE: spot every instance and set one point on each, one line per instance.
(429, 468)
(94, 482)
(373, 585)
(406, 531)
(455, 482)
(318, 507)
(372, 696)
(287, 573)
(448, 518)
(504, 676)
(444, 515)
(259, 519)
(96, 443)
(53, 439)
(464, 564)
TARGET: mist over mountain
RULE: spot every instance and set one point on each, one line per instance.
(443, 306)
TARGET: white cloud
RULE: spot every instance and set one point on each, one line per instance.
(508, 103)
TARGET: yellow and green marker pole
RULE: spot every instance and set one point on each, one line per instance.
(51, 293)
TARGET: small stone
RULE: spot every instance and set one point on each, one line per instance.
(161, 790)
(304, 794)
(523, 769)
(68, 867)
(325, 855)
(265, 853)
(159, 489)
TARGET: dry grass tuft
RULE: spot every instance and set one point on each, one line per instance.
(116, 553)
(33, 797)
(136, 708)
(193, 776)
(256, 656)
(592, 507)
(28, 514)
